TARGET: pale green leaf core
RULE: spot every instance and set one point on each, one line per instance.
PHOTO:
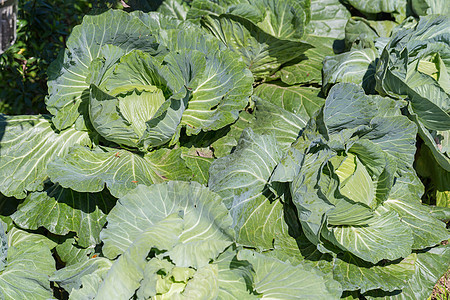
(139, 107)
(356, 182)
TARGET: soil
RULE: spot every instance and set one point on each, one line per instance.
(441, 290)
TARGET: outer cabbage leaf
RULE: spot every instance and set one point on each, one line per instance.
(18, 238)
(71, 253)
(3, 247)
(328, 19)
(262, 52)
(293, 245)
(217, 7)
(235, 277)
(290, 164)
(28, 144)
(307, 68)
(430, 7)
(194, 38)
(438, 179)
(29, 263)
(429, 267)
(282, 19)
(354, 273)
(398, 7)
(359, 33)
(356, 66)
(350, 271)
(159, 22)
(384, 237)
(284, 125)
(285, 20)
(362, 33)
(311, 208)
(395, 136)
(83, 279)
(437, 149)
(275, 279)
(427, 230)
(199, 161)
(289, 253)
(439, 212)
(86, 170)
(299, 100)
(247, 169)
(348, 107)
(241, 179)
(68, 83)
(327, 24)
(62, 210)
(207, 225)
(267, 117)
(401, 70)
(174, 8)
(224, 145)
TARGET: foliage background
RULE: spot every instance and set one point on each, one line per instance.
(43, 26)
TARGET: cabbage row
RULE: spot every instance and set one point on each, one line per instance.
(235, 149)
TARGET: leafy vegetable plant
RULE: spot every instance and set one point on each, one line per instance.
(198, 152)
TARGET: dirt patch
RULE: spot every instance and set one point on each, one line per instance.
(441, 290)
